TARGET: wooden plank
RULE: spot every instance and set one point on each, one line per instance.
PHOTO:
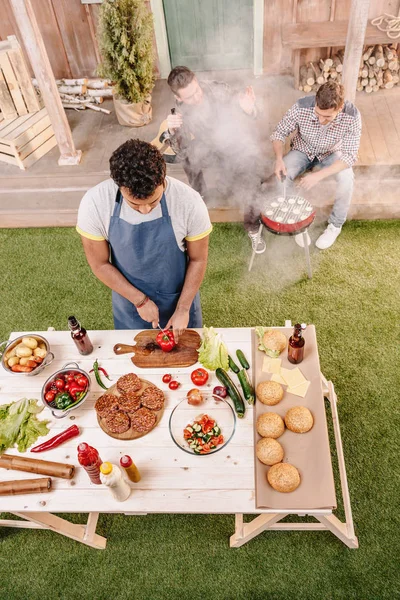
(32, 131)
(393, 102)
(277, 59)
(22, 127)
(6, 102)
(7, 149)
(371, 121)
(10, 125)
(39, 152)
(388, 127)
(355, 41)
(324, 34)
(22, 74)
(11, 160)
(12, 84)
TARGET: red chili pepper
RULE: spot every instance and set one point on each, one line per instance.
(103, 371)
(58, 439)
(166, 341)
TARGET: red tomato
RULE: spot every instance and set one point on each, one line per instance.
(194, 397)
(60, 383)
(167, 378)
(199, 377)
(82, 381)
(49, 397)
(67, 386)
(173, 385)
(69, 378)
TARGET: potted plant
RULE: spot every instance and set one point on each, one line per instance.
(125, 39)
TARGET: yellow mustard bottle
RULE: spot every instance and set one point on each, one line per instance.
(130, 468)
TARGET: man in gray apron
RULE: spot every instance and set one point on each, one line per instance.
(145, 236)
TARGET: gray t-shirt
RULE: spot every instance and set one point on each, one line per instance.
(189, 214)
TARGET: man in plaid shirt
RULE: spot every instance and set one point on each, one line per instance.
(327, 133)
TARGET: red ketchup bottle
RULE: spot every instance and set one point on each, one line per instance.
(89, 459)
(80, 336)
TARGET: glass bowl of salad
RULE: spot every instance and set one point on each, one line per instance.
(203, 428)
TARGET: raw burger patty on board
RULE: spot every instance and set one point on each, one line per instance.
(129, 383)
(129, 402)
(106, 404)
(152, 398)
(117, 422)
(143, 420)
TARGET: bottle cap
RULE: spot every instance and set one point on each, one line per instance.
(125, 461)
(73, 323)
(106, 468)
(83, 446)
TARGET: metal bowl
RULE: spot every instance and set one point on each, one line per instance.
(48, 359)
(57, 412)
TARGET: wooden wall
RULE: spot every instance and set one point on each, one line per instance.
(277, 58)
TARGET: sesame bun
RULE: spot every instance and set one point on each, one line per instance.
(299, 419)
(283, 477)
(270, 425)
(274, 342)
(269, 451)
(269, 392)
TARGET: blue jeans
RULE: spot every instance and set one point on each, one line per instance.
(297, 163)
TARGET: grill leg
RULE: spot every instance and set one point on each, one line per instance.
(307, 253)
(254, 252)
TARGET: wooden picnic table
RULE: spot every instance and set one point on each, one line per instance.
(172, 480)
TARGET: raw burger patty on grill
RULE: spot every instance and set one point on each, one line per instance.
(152, 398)
(143, 420)
(106, 404)
(129, 402)
(118, 422)
(129, 383)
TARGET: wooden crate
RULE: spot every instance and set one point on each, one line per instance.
(26, 139)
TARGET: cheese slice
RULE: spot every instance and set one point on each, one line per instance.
(300, 390)
(293, 377)
(271, 365)
(278, 379)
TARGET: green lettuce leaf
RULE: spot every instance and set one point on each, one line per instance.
(213, 353)
(19, 424)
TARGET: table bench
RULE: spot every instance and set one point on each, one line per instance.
(172, 480)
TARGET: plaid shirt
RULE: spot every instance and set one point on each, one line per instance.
(318, 141)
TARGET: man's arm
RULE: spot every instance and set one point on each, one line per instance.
(98, 256)
(197, 253)
(284, 128)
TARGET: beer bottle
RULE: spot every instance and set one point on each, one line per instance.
(296, 345)
(80, 336)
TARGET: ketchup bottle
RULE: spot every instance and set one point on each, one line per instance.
(296, 345)
(80, 336)
(89, 459)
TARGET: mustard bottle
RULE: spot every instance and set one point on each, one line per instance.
(130, 468)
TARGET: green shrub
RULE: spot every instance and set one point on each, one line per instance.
(125, 39)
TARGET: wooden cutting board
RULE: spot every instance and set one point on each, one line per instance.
(147, 354)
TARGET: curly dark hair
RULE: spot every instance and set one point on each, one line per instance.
(138, 166)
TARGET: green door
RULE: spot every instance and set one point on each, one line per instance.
(210, 35)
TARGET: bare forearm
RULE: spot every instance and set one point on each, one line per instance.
(112, 278)
(278, 149)
(194, 276)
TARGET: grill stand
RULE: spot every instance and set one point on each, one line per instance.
(306, 249)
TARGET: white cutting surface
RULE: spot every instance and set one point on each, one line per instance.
(172, 480)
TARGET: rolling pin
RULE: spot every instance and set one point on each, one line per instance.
(25, 486)
(33, 465)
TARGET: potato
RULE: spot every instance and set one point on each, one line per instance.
(10, 353)
(40, 352)
(22, 350)
(42, 345)
(30, 342)
(14, 360)
(25, 360)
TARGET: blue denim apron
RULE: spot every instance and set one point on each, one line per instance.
(148, 256)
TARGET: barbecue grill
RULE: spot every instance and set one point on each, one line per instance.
(287, 215)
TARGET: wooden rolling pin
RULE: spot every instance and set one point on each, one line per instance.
(33, 465)
(25, 486)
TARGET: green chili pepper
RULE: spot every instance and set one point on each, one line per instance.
(97, 375)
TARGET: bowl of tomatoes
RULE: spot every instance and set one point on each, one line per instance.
(204, 427)
(65, 390)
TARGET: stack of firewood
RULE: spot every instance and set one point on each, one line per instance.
(82, 93)
(379, 69)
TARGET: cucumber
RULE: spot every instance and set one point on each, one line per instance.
(247, 388)
(232, 365)
(242, 359)
(233, 392)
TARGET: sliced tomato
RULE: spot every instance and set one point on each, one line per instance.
(206, 448)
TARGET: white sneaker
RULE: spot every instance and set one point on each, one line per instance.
(300, 240)
(259, 247)
(328, 238)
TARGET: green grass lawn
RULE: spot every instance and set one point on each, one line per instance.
(353, 299)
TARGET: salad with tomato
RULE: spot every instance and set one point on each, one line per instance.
(203, 435)
(66, 389)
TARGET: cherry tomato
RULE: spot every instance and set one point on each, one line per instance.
(167, 378)
(60, 383)
(82, 381)
(173, 385)
(194, 397)
(199, 377)
(49, 397)
(69, 378)
(67, 385)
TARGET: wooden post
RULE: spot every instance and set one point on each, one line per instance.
(39, 59)
(354, 46)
